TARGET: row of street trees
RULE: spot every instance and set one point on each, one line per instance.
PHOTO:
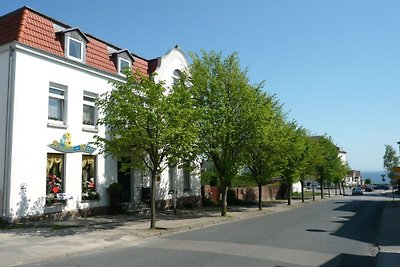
(215, 113)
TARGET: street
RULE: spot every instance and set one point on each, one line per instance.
(338, 232)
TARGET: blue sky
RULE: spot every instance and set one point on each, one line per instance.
(334, 64)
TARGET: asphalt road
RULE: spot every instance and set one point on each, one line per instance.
(330, 233)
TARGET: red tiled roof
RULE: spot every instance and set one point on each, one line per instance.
(10, 26)
(36, 30)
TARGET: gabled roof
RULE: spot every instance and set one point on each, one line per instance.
(77, 30)
(124, 51)
(37, 30)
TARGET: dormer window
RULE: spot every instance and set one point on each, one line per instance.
(74, 41)
(123, 64)
(123, 60)
(74, 49)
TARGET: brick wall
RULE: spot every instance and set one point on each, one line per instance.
(247, 194)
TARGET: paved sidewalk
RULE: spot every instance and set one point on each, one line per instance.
(47, 240)
(389, 235)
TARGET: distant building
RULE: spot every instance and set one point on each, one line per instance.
(353, 178)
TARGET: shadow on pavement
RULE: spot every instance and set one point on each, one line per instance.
(350, 260)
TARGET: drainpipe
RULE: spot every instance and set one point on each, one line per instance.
(8, 132)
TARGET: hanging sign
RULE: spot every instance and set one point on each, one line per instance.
(65, 145)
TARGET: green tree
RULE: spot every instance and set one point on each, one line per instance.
(390, 160)
(296, 157)
(367, 181)
(264, 152)
(326, 162)
(224, 100)
(147, 126)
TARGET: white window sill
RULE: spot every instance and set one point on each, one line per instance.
(90, 129)
(57, 125)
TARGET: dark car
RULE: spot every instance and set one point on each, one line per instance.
(382, 186)
(369, 189)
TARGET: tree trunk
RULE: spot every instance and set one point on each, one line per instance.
(259, 196)
(153, 201)
(224, 190)
(302, 190)
(340, 188)
(289, 190)
(313, 191)
(344, 192)
(329, 189)
(322, 189)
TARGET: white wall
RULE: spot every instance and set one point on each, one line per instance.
(31, 134)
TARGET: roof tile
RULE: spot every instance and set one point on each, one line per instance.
(36, 30)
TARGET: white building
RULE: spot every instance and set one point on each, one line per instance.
(50, 75)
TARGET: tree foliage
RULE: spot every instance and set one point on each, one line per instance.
(296, 156)
(390, 160)
(327, 163)
(224, 100)
(265, 151)
(146, 127)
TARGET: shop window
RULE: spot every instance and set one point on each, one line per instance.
(54, 178)
(89, 109)
(56, 108)
(89, 178)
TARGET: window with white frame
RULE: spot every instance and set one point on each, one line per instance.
(75, 49)
(123, 64)
(89, 109)
(56, 109)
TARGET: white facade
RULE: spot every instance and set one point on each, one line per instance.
(30, 131)
(168, 68)
(26, 132)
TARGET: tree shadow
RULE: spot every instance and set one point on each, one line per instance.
(355, 227)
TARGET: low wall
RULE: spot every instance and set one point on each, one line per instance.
(247, 194)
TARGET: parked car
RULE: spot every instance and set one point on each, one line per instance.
(357, 191)
(382, 186)
(369, 189)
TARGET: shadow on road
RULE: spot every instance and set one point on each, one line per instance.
(350, 260)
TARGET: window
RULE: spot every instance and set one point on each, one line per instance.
(176, 75)
(122, 65)
(89, 178)
(56, 111)
(75, 49)
(186, 179)
(172, 177)
(89, 109)
(54, 177)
